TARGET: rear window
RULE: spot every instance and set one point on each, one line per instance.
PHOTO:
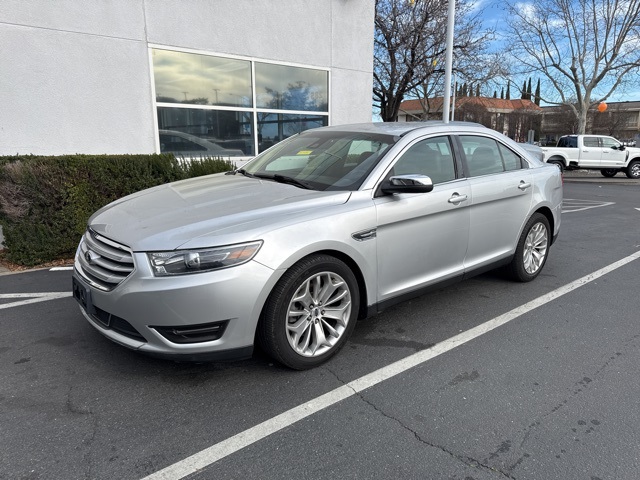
(568, 142)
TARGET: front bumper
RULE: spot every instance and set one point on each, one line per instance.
(140, 312)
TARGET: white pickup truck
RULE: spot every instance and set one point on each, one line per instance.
(594, 152)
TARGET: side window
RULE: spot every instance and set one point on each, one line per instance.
(608, 142)
(430, 157)
(590, 141)
(482, 154)
(511, 160)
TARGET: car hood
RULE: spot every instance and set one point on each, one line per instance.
(206, 211)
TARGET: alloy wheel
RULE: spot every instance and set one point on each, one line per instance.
(318, 314)
(535, 248)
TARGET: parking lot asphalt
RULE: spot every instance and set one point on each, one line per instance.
(551, 394)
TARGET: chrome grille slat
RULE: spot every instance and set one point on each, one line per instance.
(103, 262)
(98, 245)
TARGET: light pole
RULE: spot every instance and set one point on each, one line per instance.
(451, 15)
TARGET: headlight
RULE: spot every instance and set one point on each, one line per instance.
(181, 262)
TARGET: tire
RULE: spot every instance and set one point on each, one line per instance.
(557, 163)
(609, 172)
(633, 170)
(296, 327)
(532, 250)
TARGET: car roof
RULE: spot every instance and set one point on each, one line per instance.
(399, 128)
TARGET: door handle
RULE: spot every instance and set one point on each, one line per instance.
(524, 185)
(457, 199)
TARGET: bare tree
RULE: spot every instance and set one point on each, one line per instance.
(409, 48)
(612, 122)
(585, 48)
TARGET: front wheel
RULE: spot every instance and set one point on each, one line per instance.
(633, 170)
(531, 252)
(609, 172)
(310, 313)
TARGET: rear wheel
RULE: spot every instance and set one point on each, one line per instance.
(609, 172)
(557, 163)
(633, 170)
(531, 252)
(310, 313)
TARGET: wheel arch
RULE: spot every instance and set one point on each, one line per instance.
(353, 266)
(557, 158)
(546, 211)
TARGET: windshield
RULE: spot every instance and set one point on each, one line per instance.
(322, 160)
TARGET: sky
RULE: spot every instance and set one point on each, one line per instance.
(493, 14)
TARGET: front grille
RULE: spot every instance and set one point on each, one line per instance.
(103, 262)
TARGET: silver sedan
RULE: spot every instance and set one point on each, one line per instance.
(326, 227)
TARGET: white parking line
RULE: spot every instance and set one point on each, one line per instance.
(248, 437)
(60, 269)
(32, 298)
(570, 205)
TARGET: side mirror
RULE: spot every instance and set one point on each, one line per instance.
(407, 184)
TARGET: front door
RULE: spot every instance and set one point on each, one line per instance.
(613, 155)
(422, 238)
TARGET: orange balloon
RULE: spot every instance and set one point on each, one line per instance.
(602, 107)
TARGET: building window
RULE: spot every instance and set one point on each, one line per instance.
(218, 106)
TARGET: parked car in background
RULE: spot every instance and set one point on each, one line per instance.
(594, 152)
(187, 145)
(534, 150)
(327, 227)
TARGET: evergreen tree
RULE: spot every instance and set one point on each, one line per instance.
(536, 98)
(523, 96)
(495, 94)
(502, 94)
(508, 94)
(477, 90)
(529, 90)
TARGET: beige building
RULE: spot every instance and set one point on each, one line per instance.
(514, 118)
(620, 120)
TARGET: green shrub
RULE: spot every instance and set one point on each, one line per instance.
(45, 202)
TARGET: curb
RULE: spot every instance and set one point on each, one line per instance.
(583, 177)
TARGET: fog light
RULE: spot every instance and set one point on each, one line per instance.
(205, 332)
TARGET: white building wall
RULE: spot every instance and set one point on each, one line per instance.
(75, 76)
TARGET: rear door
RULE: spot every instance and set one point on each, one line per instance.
(591, 151)
(422, 238)
(501, 193)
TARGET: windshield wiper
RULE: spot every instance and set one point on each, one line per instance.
(241, 171)
(285, 179)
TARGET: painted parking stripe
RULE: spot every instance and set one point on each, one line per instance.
(31, 298)
(60, 269)
(570, 205)
(210, 455)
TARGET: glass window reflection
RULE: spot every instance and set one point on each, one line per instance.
(189, 131)
(275, 127)
(201, 79)
(291, 88)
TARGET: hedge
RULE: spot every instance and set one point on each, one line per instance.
(45, 201)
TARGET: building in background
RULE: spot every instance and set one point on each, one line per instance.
(223, 77)
(513, 118)
(620, 120)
